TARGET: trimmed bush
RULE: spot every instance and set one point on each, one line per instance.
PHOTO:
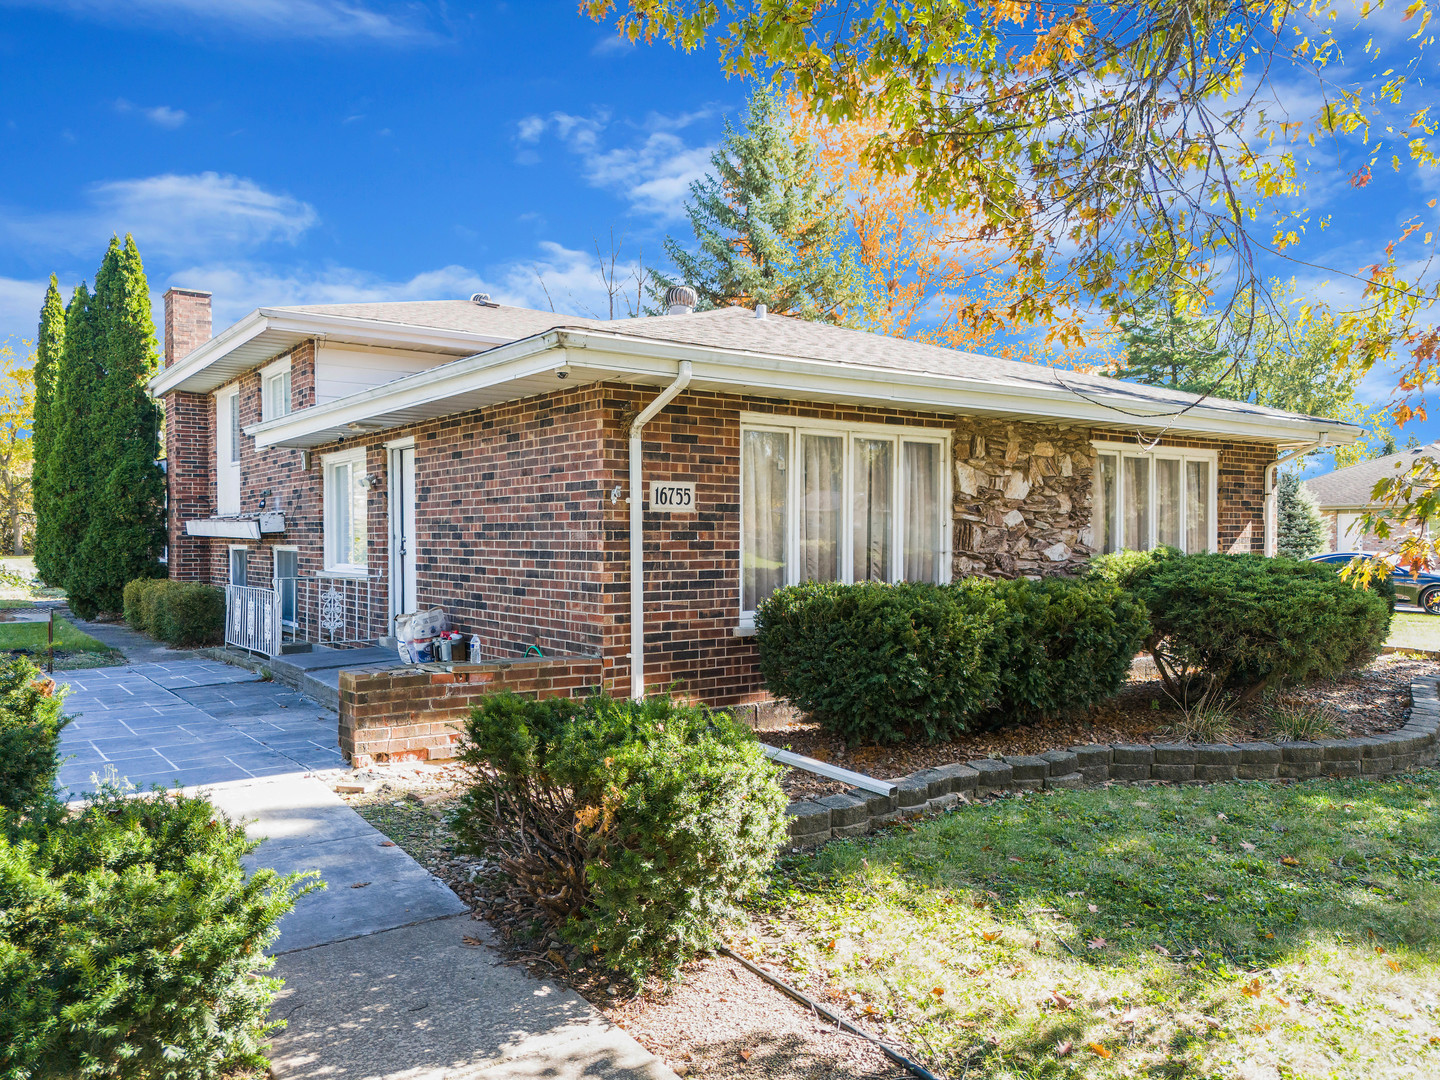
(1121, 567)
(134, 613)
(1241, 624)
(880, 663)
(1061, 646)
(30, 725)
(150, 597)
(191, 613)
(636, 829)
(133, 942)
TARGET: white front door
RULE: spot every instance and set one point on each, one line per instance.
(402, 530)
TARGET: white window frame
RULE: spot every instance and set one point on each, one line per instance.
(275, 576)
(1168, 453)
(793, 428)
(356, 459)
(270, 374)
(227, 463)
(244, 549)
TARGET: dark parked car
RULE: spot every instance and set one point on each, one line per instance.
(1422, 589)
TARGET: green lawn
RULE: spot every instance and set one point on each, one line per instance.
(1415, 630)
(1238, 930)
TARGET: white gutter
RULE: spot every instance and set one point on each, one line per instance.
(1272, 502)
(637, 531)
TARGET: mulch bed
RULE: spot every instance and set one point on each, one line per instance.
(1372, 700)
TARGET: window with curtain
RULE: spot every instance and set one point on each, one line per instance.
(1141, 500)
(840, 505)
(275, 397)
(346, 497)
(235, 428)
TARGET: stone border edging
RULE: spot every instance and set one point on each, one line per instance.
(929, 791)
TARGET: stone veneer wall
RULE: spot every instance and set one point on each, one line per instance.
(856, 812)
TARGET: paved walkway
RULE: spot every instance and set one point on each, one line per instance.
(387, 977)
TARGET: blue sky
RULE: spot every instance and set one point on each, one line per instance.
(292, 151)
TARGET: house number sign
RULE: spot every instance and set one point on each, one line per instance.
(671, 497)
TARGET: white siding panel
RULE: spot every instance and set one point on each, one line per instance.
(341, 371)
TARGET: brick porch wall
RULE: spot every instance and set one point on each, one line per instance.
(416, 714)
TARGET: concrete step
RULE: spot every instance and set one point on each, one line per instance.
(317, 673)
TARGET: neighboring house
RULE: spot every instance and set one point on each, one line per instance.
(1344, 496)
(486, 459)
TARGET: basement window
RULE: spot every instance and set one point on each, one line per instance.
(1142, 500)
(820, 502)
(346, 497)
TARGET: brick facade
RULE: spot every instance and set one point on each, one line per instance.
(522, 527)
(187, 322)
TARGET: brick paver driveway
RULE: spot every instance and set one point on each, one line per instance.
(194, 721)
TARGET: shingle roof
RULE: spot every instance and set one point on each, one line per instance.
(737, 329)
(1352, 486)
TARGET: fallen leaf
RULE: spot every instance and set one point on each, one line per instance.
(1211, 897)
(1096, 943)
(360, 884)
(1093, 908)
(1064, 1048)
(1214, 839)
(1394, 965)
(1281, 1000)
(1012, 858)
(938, 991)
(1247, 845)
(1161, 949)
(1269, 935)
(1289, 860)
(387, 843)
(468, 940)
(1072, 895)
(1098, 1050)
(870, 1010)
(1060, 999)
(745, 1054)
(1221, 817)
(990, 935)
(1252, 988)
(1380, 949)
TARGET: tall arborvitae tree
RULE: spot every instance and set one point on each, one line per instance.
(74, 467)
(767, 229)
(49, 345)
(126, 530)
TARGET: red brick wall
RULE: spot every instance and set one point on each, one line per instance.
(412, 714)
(190, 478)
(187, 322)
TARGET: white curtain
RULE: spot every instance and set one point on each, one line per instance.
(338, 512)
(822, 465)
(1167, 501)
(873, 508)
(763, 472)
(1137, 503)
(1106, 503)
(923, 512)
(1197, 506)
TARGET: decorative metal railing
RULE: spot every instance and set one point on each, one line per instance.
(334, 609)
(252, 619)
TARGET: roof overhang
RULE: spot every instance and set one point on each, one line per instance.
(268, 332)
(558, 359)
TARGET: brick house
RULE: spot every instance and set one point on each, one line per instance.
(1344, 496)
(363, 460)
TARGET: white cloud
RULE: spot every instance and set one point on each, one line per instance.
(614, 45)
(649, 164)
(269, 18)
(160, 115)
(182, 216)
(20, 310)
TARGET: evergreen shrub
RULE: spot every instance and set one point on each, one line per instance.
(1242, 624)
(134, 613)
(152, 591)
(191, 613)
(633, 828)
(133, 944)
(874, 662)
(30, 725)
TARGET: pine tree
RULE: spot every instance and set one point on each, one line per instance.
(1300, 530)
(49, 347)
(126, 528)
(71, 475)
(767, 230)
(1165, 344)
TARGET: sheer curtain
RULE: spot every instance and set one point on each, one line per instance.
(1106, 503)
(763, 470)
(873, 508)
(923, 540)
(1197, 506)
(1136, 471)
(822, 475)
(1167, 501)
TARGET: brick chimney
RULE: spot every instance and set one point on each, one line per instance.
(187, 322)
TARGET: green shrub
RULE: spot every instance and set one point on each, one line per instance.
(132, 944)
(1121, 567)
(134, 613)
(151, 595)
(1244, 623)
(634, 828)
(30, 724)
(191, 613)
(880, 663)
(1061, 645)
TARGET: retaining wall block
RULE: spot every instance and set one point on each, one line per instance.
(1027, 785)
(1299, 770)
(1374, 747)
(993, 774)
(911, 791)
(1265, 771)
(1131, 773)
(845, 810)
(860, 828)
(942, 802)
(809, 822)
(1062, 762)
(1342, 749)
(1067, 782)
(1172, 774)
(1092, 756)
(1340, 768)
(1295, 752)
(1173, 754)
(937, 782)
(875, 805)
(1028, 767)
(1216, 774)
(1132, 754)
(1095, 775)
(963, 779)
(1217, 754)
(1260, 753)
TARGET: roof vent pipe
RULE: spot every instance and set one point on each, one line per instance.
(680, 300)
(759, 311)
(483, 299)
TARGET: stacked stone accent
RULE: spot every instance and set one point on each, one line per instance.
(856, 812)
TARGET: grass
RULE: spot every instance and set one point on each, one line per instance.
(1237, 930)
(73, 647)
(1415, 630)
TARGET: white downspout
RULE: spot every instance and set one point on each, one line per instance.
(1272, 503)
(637, 531)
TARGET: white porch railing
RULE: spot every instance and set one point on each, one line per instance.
(335, 609)
(252, 619)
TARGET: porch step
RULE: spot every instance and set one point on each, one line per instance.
(317, 673)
